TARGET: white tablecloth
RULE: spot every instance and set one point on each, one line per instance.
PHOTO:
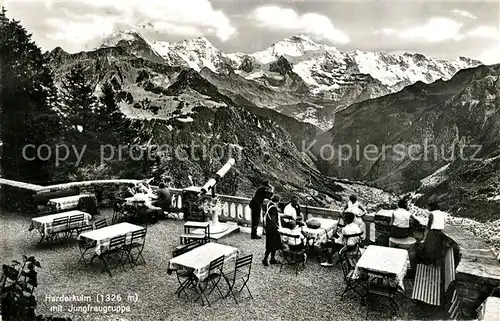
(490, 309)
(44, 223)
(384, 260)
(199, 258)
(316, 236)
(102, 236)
(68, 202)
(320, 235)
(147, 198)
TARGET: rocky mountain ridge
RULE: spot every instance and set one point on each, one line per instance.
(440, 139)
(314, 79)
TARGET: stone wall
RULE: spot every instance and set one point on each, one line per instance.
(477, 272)
(17, 196)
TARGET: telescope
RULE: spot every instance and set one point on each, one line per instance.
(193, 197)
(210, 185)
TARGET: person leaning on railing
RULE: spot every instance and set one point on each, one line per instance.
(433, 248)
(400, 220)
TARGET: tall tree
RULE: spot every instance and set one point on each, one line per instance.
(27, 106)
(79, 102)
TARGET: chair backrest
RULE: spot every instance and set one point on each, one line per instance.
(76, 219)
(344, 263)
(117, 242)
(285, 237)
(187, 248)
(101, 223)
(216, 264)
(86, 228)
(60, 221)
(242, 263)
(137, 235)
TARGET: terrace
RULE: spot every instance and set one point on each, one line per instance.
(147, 291)
(312, 295)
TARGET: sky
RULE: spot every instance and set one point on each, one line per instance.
(445, 29)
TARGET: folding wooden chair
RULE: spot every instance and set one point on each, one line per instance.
(136, 245)
(100, 224)
(118, 211)
(292, 257)
(59, 226)
(116, 247)
(382, 285)
(214, 276)
(351, 283)
(84, 246)
(75, 224)
(242, 269)
(185, 276)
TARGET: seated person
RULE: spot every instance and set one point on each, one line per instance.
(144, 187)
(294, 243)
(400, 221)
(291, 214)
(127, 190)
(348, 240)
(164, 198)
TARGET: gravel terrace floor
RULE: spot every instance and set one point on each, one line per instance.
(313, 295)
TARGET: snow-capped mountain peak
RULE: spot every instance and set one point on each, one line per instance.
(195, 52)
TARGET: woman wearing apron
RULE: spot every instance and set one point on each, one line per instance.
(273, 238)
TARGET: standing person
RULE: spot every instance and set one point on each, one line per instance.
(432, 251)
(355, 207)
(400, 221)
(273, 239)
(263, 192)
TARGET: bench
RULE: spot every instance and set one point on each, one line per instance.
(449, 277)
(449, 269)
(427, 287)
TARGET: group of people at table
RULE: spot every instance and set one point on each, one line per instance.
(152, 203)
(350, 231)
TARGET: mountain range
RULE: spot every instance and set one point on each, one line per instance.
(295, 76)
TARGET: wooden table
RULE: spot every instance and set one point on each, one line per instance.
(199, 258)
(386, 260)
(44, 223)
(102, 236)
(68, 202)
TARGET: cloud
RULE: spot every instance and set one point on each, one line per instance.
(491, 55)
(485, 32)
(436, 29)
(185, 18)
(463, 13)
(317, 25)
(79, 31)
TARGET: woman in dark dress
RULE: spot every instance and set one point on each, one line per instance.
(273, 239)
(432, 252)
